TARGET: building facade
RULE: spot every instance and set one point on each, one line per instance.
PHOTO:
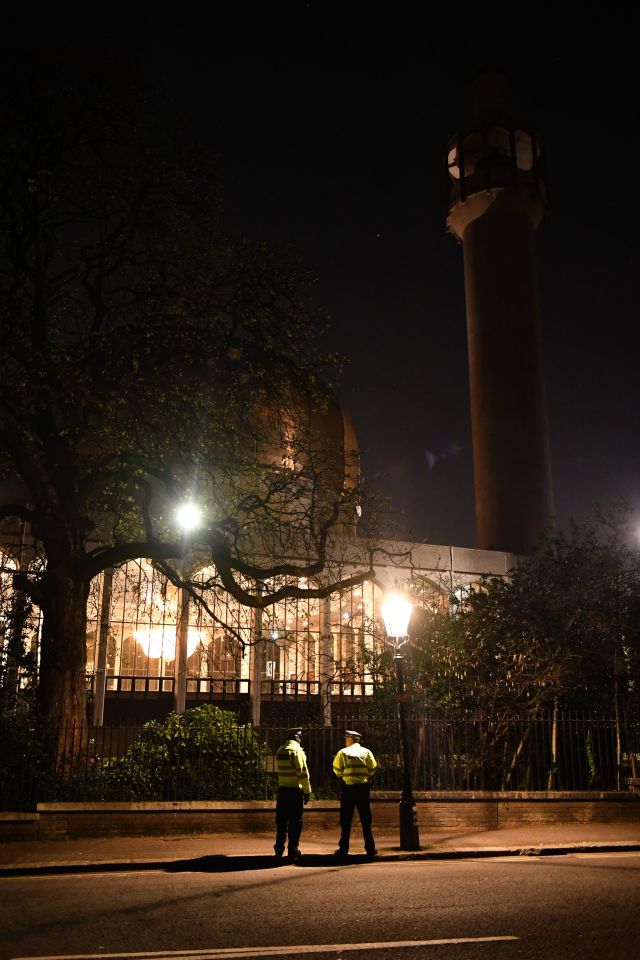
(316, 651)
(304, 652)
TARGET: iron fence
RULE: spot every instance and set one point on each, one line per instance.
(562, 751)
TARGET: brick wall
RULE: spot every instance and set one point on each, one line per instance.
(469, 812)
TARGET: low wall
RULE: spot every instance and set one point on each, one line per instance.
(470, 811)
(19, 826)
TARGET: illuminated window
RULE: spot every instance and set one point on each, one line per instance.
(355, 637)
(291, 630)
(224, 629)
(143, 620)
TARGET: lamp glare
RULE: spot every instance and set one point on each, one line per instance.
(396, 613)
(188, 516)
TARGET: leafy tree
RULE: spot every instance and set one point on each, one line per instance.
(559, 633)
(561, 629)
(148, 358)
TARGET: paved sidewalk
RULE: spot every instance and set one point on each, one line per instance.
(252, 850)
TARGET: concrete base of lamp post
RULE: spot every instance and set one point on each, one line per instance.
(409, 833)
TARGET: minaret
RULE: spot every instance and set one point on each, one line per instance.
(497, 197)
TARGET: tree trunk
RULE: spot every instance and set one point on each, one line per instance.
(62, 691)
(514, 760)
(619, 776)
(552, 780)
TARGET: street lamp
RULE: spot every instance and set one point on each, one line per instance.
(396, 613)
(188, 516)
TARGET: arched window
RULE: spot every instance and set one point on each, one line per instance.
(300, 648)
(291, 630)
(355, 637)
(222, 626)
(143, 621)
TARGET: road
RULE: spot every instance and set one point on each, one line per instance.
(579, 907)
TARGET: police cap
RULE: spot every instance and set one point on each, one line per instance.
(353, 734)
(294, 732)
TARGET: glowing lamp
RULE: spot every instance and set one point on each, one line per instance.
(396, 613)
(188, 516)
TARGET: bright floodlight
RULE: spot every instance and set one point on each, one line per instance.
(396, 613)
(188, 516)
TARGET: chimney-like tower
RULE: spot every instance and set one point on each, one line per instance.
(497, 197)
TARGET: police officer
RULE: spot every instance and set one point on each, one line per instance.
(355, 765)
(294, 789)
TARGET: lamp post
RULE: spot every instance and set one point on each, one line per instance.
(188, 517)
(396, 613)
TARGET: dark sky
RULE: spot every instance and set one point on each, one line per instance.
(331, 139)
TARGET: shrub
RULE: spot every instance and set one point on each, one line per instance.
(202, 754)
(20, 762)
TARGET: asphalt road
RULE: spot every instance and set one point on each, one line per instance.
(580, 907)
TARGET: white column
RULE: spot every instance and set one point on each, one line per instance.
(256, 658)
(327, 665)
(182, 635)
(100, 682)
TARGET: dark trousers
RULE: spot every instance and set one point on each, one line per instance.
(355, 797)
(289, 810)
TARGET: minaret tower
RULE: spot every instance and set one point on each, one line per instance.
(497, 197)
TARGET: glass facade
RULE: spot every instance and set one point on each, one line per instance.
(302, 641)
(138, 621)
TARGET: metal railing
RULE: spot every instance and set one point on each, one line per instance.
(565, 751)
(220, 687)
(568, 752)
(311, 689)
(214, 688)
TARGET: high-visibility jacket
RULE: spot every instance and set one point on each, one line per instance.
(354, 764)
(291, 766)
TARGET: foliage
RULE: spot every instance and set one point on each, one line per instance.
(563, 628)
(20, 761)
(202, 754)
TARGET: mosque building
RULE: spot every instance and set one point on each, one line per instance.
(149, 651)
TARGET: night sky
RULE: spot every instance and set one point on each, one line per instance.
(330, 140)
